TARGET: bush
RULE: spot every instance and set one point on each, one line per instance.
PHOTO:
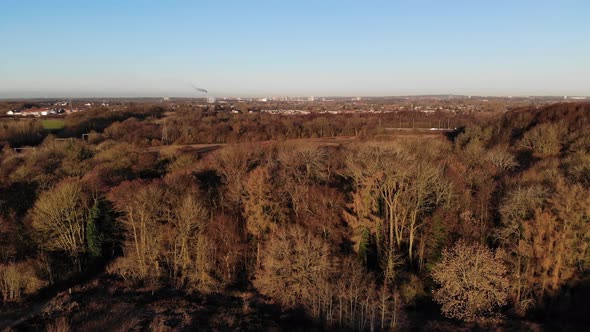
(61, 324)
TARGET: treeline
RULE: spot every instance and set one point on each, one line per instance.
(492, 226)
(30, 132)
(197, 126)
(146, 125)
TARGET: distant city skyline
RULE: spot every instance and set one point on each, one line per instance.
(304, 48)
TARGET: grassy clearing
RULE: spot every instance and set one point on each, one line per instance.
(52, 124)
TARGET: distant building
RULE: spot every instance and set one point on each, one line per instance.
(311, 98)
(211, 100)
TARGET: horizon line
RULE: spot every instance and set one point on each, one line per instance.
(302, 96)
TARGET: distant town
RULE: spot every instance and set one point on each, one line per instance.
(287, 105)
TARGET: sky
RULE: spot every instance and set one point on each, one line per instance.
(293, 48)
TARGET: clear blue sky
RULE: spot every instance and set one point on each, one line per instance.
(158, 48)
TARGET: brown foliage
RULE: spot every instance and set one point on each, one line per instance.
(293, 265)
(547, 234)
(167, 238)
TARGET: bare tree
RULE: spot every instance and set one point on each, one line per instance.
(263, 205)
(472, 282)
(186, 243)
(59, 218)
(142, 214)
(294, 264)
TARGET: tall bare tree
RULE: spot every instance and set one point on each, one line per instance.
(59, 218)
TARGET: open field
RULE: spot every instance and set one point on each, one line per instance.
(53, 124)
(169, 150)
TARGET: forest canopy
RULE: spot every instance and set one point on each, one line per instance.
(329, 221)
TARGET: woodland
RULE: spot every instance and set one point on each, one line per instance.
(196, 220)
